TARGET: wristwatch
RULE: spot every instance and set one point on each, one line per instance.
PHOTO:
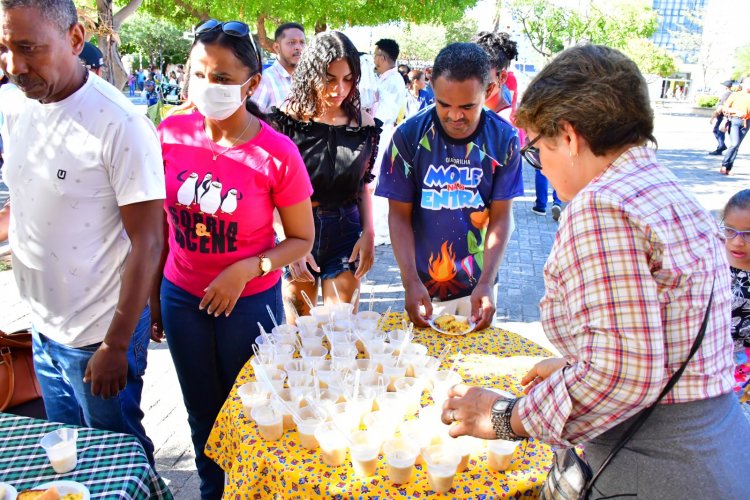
(264, 265)
(502, 409)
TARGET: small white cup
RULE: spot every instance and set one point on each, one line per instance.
(62, 449)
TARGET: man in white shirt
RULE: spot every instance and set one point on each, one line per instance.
(390, 103)
(277, 80)
(86, 183)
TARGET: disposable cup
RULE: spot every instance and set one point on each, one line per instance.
(367, 320)
(270, 421)
(307, 421)
(394, 369)
(393, 403)
(314, 355)
(322, 314)
(251, 395)
(500, 454)
(364, 449)
(291, 404)
(300, 387)
(396, 338)
(62, 449)
(285, 334)
(342, 310)
(276, 378)
(425, 368)
(382, 358)
(412, 388)
(441, 467)
(400, 456)
(344, 350)
(306, 324)
(414, 354)
(333, 444)
(346, 416)
(465, 446)
(263, 346)
(382, 423)
(414, 431)
(442, 381)
(297, 369)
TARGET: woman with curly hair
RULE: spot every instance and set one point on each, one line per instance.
(338, 143)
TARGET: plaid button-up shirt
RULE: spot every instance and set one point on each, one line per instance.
(274, 87)
(627, 285)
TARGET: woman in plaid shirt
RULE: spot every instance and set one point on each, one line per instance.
(627, 285)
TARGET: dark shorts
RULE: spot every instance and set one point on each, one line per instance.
(336, 232)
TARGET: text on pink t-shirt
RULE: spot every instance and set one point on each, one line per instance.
(221, 211)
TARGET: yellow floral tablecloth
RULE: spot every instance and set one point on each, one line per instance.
(283, 469)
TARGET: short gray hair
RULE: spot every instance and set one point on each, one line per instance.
(61, 13)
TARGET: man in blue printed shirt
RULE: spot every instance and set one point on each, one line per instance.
(450, 174)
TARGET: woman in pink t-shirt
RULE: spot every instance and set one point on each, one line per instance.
(226, 172)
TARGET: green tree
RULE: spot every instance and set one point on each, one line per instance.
(651, 60)
(461, 31)
(551, 27)
(154, 39)
(741, 62)
(267, 14)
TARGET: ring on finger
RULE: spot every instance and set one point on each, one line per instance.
(452, 415)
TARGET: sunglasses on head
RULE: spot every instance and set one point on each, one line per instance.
(236, 29)
(531, 153)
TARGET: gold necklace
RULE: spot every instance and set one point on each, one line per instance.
(234, 143)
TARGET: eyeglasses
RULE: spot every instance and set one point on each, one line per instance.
(731, 232)
(236, 29)
(531, 153)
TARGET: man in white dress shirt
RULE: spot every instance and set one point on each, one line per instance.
(390, 103)
(277, 80)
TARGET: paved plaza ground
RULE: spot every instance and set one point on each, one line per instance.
(683, 142)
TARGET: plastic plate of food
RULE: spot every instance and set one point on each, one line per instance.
(57, 490)
(7, 492)
(452, 325)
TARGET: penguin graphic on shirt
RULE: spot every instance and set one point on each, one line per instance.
(202, 188)
(186, 193)
(211, 200)
(229, 202)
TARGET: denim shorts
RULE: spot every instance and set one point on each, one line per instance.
(336, 232)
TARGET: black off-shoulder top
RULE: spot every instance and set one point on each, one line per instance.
(339, 158)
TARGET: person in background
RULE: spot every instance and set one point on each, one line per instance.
(718, 118)
(368, 82)
(417, 98)
(92, 58)
(180, 74)
(449, 236)
(141, 79)
(131, 84)
(404, 70)
(338, 142)
(736, 227)
(390, 103)
(226, 172)
(736, 110)
(289, 43)
(172, 78)
(151, 93)
(501, 50)
(428, 80)
(85, 225)
(617, 303)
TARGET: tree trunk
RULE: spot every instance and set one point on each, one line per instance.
(109, 27)
(320, 26)
(265, 42)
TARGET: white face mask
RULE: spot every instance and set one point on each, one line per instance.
(216, 101)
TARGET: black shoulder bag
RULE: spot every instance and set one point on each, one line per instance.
(570, 477)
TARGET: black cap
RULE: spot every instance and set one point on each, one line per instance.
(91, 56)
(727, 83)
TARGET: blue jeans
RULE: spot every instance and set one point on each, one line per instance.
(336, 232)
(541, 184)
(208, 354)
(737, 133)
(67, 399)
(719, 134)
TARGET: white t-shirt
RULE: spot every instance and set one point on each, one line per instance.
(69, 166)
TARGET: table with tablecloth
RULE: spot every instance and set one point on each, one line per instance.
(110, 465)
(283, 469)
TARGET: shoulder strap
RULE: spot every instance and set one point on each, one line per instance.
(643, 416)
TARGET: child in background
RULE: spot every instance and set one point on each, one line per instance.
(736, 228)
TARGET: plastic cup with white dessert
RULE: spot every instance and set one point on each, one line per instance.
(251, 395)
(62, 449)
(442, 381)
(500, 454)
(394, 369)
(308, 420)
(333, 444)
(314, 355)
(441, 466)
(285, 334)
(288, 404)
(412, 388)
(400, 456)
(306, 324)
(322, 314)
(415, 432)
(364, 448)
(269, 418)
